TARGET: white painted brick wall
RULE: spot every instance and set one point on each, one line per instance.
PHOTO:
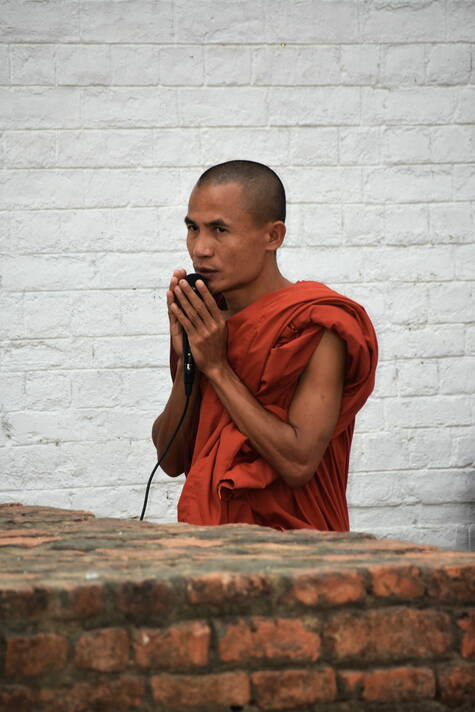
(109, 111)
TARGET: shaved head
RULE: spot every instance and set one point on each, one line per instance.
(263, 192)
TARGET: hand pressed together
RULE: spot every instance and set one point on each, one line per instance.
(202, 320)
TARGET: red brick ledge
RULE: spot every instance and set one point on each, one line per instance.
(115, 615)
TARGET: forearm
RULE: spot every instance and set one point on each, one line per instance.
(164, 426)
(278, 442)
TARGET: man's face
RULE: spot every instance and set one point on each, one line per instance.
(224, 241)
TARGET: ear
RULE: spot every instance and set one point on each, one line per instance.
(275, 235)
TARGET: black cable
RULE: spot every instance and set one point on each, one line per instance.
(182, 417)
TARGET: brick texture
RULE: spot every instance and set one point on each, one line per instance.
(126, 692)
(389, 634)
(399, 684)
(180, 646)
(389, 685)
(290, 688)
(261, 638)
(106, 650)
(176, 617)
(109, 111)
(457, 684)
(30, 656)
(183, 692)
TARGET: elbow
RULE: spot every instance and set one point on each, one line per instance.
(171, 472)
(155, 426)
(302, 469)
(297, 475)
(170, 467)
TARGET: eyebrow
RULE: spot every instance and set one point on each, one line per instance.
(219, 222)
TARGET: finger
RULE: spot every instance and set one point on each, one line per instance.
(209, 300)
(185, 306)
(182, 318)
(170, 301)
(194, 307)
(176, 276)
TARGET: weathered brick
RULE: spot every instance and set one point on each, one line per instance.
(187, 64)
(404, 683)
(33, 655)
(460, 21)
(134, 65)
(186, 691)
(84, 601)
(467, 624)
(26, 604)
(150, 107)
(400, 582)
(220, 588)
(82, 64)
(260, 638)
(121, 694)
(406, 22)
(284, 689)
(287, 65)
(314, 105)
(453, 583)
(106, 650)
(457, 684)
(316, 22)
(327, 588)
(234, 23)
(227, 65)
(448, 64)
(388, 685)
(145, 599)
(388, 634)
(179, 646)
(402, 64)
(16, 699)
(245, 106)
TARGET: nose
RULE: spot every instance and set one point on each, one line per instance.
(202, 245)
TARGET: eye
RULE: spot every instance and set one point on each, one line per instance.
(220, 229)
(191, 227)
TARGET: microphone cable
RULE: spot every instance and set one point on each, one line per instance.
(189, 376)
(167, 447)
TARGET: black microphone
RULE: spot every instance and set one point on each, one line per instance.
(189, 367)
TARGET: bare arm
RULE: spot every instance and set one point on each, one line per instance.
(293, 448)
(162, 430)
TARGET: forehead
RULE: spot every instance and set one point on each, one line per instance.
(212, 201)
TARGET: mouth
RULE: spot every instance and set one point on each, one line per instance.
(205, 271)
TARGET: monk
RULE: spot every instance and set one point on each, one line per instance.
(283, 368)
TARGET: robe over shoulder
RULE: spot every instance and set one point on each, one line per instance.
(270, 342)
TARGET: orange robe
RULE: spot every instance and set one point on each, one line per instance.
(270, 342)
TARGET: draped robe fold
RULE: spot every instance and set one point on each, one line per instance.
(270, 342)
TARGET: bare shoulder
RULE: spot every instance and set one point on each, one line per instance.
(329, 357)
(316, 404)
(321, 383)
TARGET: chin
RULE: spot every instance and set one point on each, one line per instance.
(225, 285)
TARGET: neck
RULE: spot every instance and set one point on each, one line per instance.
(268, 282)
